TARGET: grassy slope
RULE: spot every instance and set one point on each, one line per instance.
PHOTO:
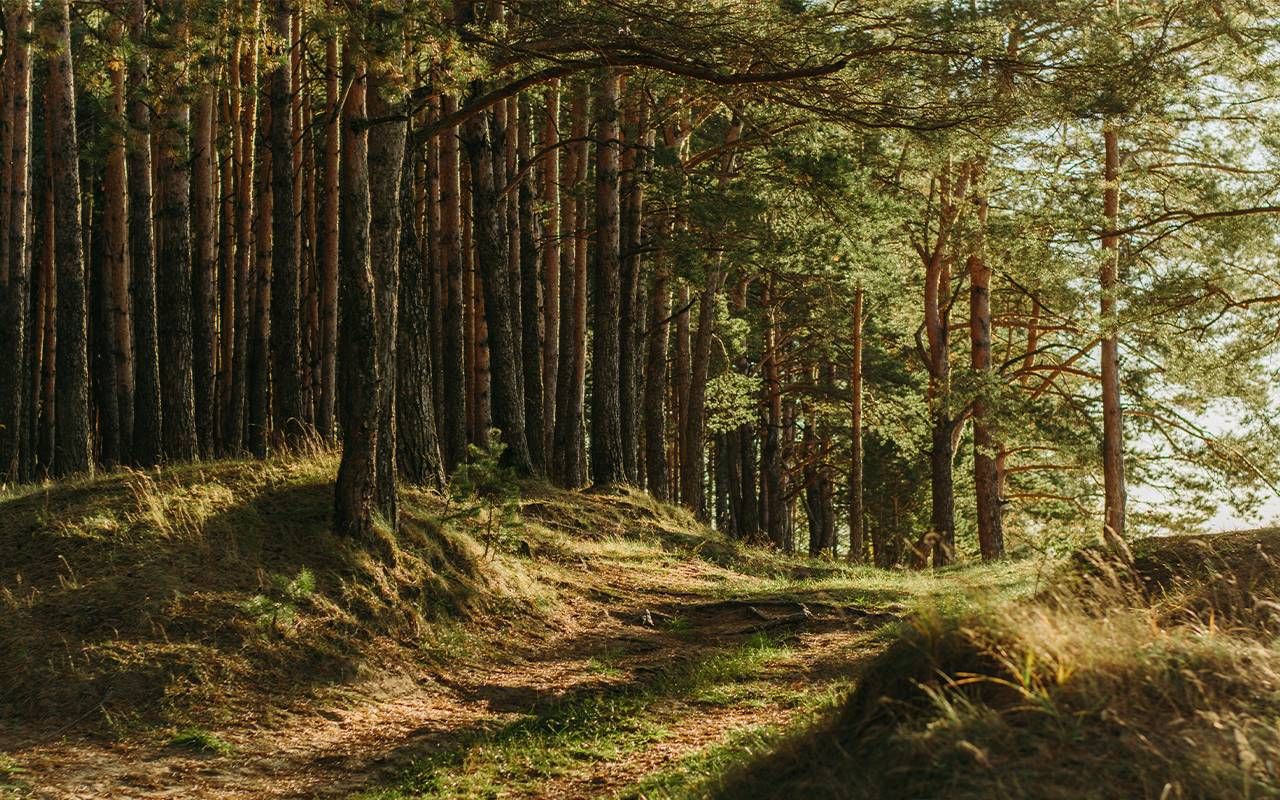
(1157, 680)
(144, 603)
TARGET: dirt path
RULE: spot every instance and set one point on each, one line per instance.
(338, 745)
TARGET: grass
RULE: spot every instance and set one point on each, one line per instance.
(197, 592)
(1154, 678)
(201, 741)
(602, 726)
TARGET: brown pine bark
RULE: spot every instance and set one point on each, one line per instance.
(386, 162)
(284, 325)
(354, 490)
(228, 441)
(115, 234)
(567, 458)
(857, 510)
(680, 388)
(173, 251)
(328, 256)
(258, 366)
(453, 438)
(692, 484)
(551, 248)
(418, 456)
(1112, 419)
(773, 504)
(986, 475)
(237, 423)
(631, 298)
(607, 464)
(531, 318)
(493, 272)
(15, 263)
(204, 280)
(72, 447)
(147, 443)
(655, 384)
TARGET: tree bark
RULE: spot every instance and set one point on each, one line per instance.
(1112, 420)
(417, 445)
(15, 264)
(286, 376)
(655, 384)
(258, 366)
(986, 477)
(328, 271)
(567, 464)
(204, 281)
(147, 447)
(72, 447)
(550, 266)
(607, 464)
(631, 310)
(506, 400)
(354, 490)
(452, 268)
(173, 255)
(386, 162)
(531, 319)
(857, 512)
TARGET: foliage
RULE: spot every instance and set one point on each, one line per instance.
(486, 493)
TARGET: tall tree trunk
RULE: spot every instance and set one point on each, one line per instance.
(567, 464)
(354, 490)
(499, 304)
(417, 445)
(72, 447)
(386, 162)
(116, 250)
(286, 376)
(773, 504)
(607, 464)
(452, 268)
(173, 254)
(258, 366)
(15, 264)
(101, 295)
(229, 160)
(147, 447)
(986, 477)
(550, 265)
(329, 250)
(531, 319)
(631, 310)
(655, 384)
(1112, 420)
(246, 211)
(857, 512)
(691, 471)
(204, 281)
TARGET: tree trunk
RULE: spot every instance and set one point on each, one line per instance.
(229, 165)
(607, 464)
(173, 257)
(691, 477)
(567, 464)
(328, 277)
(452, 269)
(631, 315)
(655, 384)
(147, 448)
(772, 502)
(258, 367)
(499, 304)
(204, 282)
(15, 264)
(1112, 421)
(680, 388)
(72, 448)
(355, 487)
(386, 162)
(115, 231)
(550, 266)
(531, 319)
(857, 513)
(986, 477)
(417, 446)
(286, 377)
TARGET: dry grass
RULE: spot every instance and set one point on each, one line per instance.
(1156, 676)
(139, 596)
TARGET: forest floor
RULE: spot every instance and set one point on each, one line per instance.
(648, 654)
